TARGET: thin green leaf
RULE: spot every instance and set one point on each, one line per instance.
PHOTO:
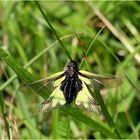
(90, 45)
(74, 112)
(52, 28)
(105, 112)
(4, 115)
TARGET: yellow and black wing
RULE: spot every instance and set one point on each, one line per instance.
(89, 80)
(55, 100)
(84, 100)
(99, 81)
(52, 83)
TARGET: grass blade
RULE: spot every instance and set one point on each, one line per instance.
(52, 28)
(105, 112)
(4, 115)
(86, 120)
(90, 45)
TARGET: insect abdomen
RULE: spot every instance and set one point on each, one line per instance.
(70, 88)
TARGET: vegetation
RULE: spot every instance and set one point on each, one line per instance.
(37, 39)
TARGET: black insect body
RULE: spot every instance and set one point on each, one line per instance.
(72, 85)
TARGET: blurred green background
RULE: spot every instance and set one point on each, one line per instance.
(24, 34)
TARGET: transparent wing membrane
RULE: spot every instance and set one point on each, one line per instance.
(49, 82)
(99, 81)
(52, 78)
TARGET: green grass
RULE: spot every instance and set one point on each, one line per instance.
(38, 39)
